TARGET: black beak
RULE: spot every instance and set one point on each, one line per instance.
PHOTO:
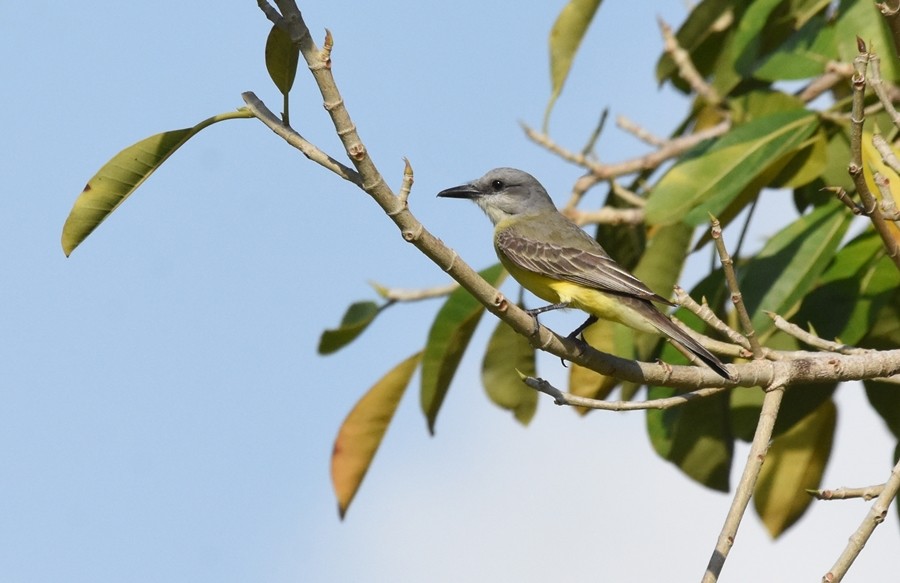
(462, 191)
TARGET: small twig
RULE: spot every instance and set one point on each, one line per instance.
(737, 298)
(564, 398)
(546, 142)
(887, 153)
(413, 295)
(595, 135)
(271, 13)
(867, 493)
(835, 72)
(703, 311)
(844, 198)
(640, 132)
(274, 123)
(811, 339)
(745, 228)
(875, 516)
(599, 172)
(855, 168)
(878, 85)
(686, 68)
(758, 449)
(628, 196)
(605, 216)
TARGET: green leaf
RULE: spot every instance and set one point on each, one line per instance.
(863, 20)
(447, 341)
(803, 55)
(795, 462)
(119, 177)
(695, 437)
(761, 103)
(739, 55)
(712, 176)
(363, 429)
(565, 37)
(660, 268)
(787, 267)
(746, 404)
(282, 57)
(357, 318)
(860, 280)
(506, 353)
(799, 400)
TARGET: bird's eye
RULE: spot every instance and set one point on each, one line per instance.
(497, 185)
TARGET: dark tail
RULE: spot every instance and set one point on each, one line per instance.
(671, 330)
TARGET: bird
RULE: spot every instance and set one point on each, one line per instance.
(557, 261)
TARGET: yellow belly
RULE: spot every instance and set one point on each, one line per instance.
(591, 301)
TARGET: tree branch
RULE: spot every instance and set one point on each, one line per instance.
(874, 517)
(758, 449)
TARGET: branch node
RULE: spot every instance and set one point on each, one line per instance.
(412, 235)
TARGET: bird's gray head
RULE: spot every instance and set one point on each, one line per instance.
(503, 193)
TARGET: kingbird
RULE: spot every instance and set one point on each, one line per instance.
(558, 262)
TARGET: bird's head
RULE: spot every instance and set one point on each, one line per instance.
(504, 193)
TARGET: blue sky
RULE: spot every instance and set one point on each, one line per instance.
(164, 414)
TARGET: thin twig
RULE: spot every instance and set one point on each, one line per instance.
(686, 68)
(758, 449)
(640, 132)
(811, 339)
(413, 295)
(737, 298)
(606, 216)
(703, 311)
(273, 122)
(875, 516)
(563, 398)
(595, 135)
(878, 86)
(835, 72)
(599, 172)
(869, 203)
(844, 198)
(867, 493)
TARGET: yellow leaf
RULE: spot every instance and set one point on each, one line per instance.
(794, 464)
(362, 431)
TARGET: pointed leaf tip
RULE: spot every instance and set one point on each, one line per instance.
(565, 37)
(123, 174)
(361, 433)
(356, 319)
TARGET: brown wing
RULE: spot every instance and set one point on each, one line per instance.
(590, 267)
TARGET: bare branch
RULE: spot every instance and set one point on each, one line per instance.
(875, 516)
(563, 398)
(606, 216)
(273, 122)
(758, 449)
(811, 339)
(886, 231)
(639, 132)
(413, 295)
(737, 298)
(866, 493)
(686, 68)
(879, 86)
(835, 72)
